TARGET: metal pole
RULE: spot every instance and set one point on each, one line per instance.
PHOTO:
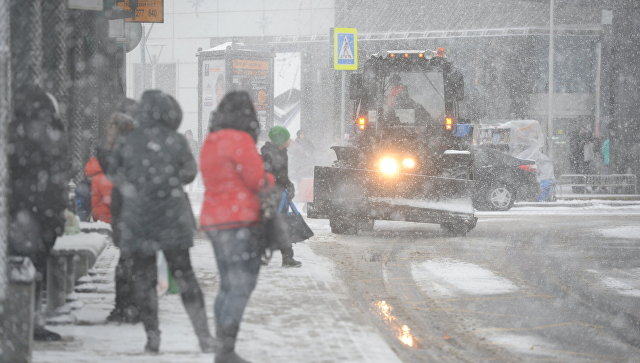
(143, 59)
(5, 115)
(549, 128)
(596, 126)
(143, 55)
(343, 85)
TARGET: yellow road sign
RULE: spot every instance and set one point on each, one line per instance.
(345, 49)
(148, 11)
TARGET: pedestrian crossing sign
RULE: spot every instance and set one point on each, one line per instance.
(345, 49)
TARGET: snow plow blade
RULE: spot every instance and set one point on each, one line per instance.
(357, 194)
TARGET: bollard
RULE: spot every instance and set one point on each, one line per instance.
(56, 281)
(81, 265)
(18, 311)
(70, 282)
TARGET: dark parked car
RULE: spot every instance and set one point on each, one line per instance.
(501, 179)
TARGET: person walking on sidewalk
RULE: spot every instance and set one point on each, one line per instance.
(38, 168)
(233, 175)
(150, 168)
(119, 126)
(276, 161)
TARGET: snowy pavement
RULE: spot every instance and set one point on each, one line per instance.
(294, 315)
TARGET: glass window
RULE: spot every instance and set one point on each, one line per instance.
(414, 98)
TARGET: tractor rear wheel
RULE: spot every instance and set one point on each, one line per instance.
(343, 225)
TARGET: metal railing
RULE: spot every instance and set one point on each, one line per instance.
(617, 184)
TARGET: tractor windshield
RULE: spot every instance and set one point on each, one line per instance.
(413, 98)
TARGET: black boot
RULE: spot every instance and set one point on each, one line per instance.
(193, 302)
(115, 316)
(153, 342)
(43, 335)
(287, 258)
(226, 353)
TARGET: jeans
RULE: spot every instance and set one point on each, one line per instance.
(145, 278)
(546, 190)
(238, 257)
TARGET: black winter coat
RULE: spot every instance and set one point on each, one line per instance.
(39, 166)
(149, 169)
(276, 162)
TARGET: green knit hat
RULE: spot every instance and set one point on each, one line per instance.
(279, 135)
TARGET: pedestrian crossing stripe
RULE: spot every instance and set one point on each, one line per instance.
(345, 49)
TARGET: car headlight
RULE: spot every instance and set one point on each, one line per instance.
(389, 166)
(408, 163)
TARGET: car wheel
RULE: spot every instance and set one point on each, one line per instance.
(500, 197)
(342, 225)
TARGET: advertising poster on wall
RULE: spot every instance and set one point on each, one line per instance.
(252, 75)
(213, 88)
(286, 103)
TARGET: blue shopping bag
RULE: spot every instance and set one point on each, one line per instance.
(296, 226)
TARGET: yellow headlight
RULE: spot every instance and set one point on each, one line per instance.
(409, 163)
(389, 166)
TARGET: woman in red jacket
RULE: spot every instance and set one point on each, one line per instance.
(233, 175)
(100, 191)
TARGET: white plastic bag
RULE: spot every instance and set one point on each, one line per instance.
(163, 274)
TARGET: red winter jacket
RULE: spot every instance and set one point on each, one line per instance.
(233, 174)
(100, 191)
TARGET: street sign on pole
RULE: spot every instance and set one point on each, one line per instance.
(345, 49)
(147, 11)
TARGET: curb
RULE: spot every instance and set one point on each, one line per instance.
(579, 203)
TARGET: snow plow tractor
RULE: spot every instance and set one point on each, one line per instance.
(404, 161)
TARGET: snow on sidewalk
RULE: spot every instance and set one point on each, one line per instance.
(294, 315)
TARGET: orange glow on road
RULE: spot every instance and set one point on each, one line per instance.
(401, 331)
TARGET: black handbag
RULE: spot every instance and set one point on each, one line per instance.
(297, 228)
(274, 227)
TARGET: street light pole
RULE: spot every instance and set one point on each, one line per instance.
(549, 128)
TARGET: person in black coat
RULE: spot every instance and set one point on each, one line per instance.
(118, 127)
(276, 162)
(149, 169)
(39, 166)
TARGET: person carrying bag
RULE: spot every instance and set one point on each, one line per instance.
(276, 162)
(297, 228)
(233, 212)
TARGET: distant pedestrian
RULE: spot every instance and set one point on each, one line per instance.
(118, 127)
(193, 144)
(576, 151)
(38, 168)
(302, 157)
(233, 175)
(150, 168)
(276, 161)
(605, 150)
(588, 154)
(100, 191)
